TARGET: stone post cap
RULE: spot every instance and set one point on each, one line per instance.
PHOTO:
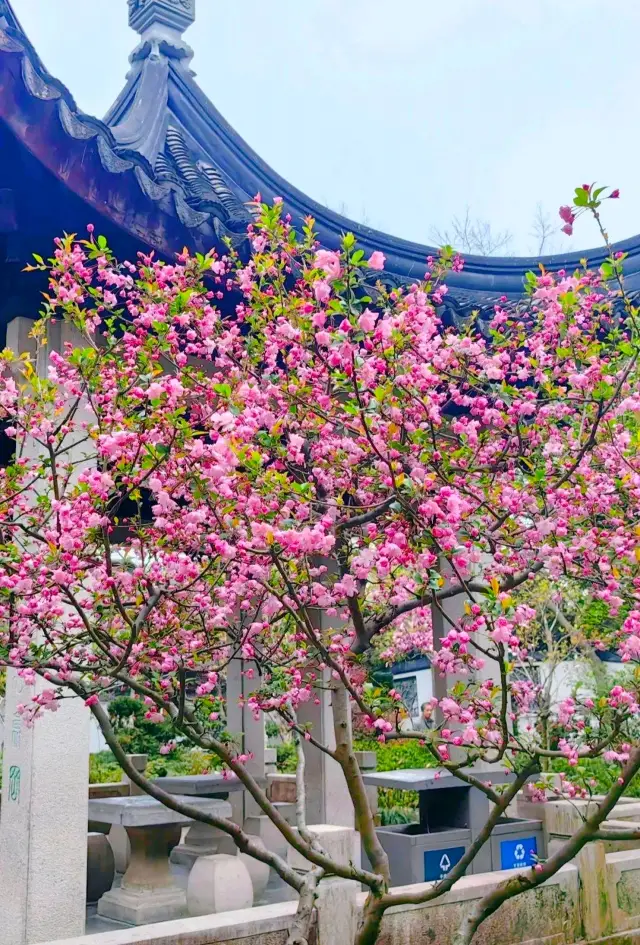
(139, 762)
(367, 760)
(340, 843)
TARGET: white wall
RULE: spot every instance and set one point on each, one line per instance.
(96, 738)
(424, 685)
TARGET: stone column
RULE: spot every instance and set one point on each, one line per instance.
(251, 732)
(336, 902)
(139, 762)
(327, 795)
(453, 608)
(43, 828)
(368, 763)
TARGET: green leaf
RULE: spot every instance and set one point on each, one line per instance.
(603, 391)
(223, 389)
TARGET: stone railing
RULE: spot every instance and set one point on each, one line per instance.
(110, 789)
(594, 901)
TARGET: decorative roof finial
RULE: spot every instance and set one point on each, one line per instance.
(161, 24)
(177, 15)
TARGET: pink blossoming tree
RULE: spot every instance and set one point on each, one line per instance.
(189, 488)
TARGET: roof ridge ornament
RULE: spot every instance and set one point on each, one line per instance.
(161, 24)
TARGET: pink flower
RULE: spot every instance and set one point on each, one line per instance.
(330, 262)
(377, 260)
(367, 320)
(568, 229)
(321, 290)
(567, 214)
(155, 390)
(92, 700)
(614, 194)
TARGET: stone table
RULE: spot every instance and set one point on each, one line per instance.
(148, 892)
(201, 839)
(201, 785)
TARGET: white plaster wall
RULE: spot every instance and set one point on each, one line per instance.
(97, 740)
(424, 684)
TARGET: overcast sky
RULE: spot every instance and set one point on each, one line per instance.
(401, 113)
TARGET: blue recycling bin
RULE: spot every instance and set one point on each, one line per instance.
(516, 843)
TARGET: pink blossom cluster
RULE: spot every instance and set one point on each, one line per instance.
(261, 459)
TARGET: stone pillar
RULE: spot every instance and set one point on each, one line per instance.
(337, 911)
(368, 762)
(43, 828)
(597, 915)
(251, 734)
(139, 762)
(327, 795)
(453, 607)
(270, 761)
(336, 902)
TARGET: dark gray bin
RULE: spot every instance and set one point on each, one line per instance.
(451, 815)
(416, 856)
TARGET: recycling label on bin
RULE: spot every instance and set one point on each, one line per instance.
(515, 854)
(438, 863)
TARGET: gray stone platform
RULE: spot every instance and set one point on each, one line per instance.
(429, 779)
(201, 785)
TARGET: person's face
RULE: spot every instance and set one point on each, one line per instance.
(426, 712)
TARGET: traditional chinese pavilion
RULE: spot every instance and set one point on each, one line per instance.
(164, 170)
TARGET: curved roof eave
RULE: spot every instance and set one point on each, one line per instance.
(82, 152)
(483, 275)
(182, 219)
